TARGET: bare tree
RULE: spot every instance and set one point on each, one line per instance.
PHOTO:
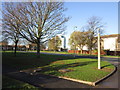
(54, 43)
(9, 27)
(92, 27)
(38, 21)
(72, 40)
(10, 35)
(78, 39)
(43, 46)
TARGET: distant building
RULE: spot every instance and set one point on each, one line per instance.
(3, 43)
(4, 46)
(111, 42)
(31, 46)
(63, 44)
(110, 45)
(63, 39)
(108, 42)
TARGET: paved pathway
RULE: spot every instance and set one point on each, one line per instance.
(53, 82)
(40, 80)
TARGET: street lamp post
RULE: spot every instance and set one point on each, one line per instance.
(75, 28)
(99, 49)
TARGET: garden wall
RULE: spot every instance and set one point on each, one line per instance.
(85, 52)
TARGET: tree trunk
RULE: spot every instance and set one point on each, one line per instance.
(81, 51)
(38, 49)
(16, 42)
(90, 51)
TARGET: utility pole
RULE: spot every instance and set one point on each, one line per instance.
(99, 67)
(55, 43)
(75, 28)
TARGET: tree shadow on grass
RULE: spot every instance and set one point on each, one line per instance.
(105, 66)
(64, 66)
(29, 60)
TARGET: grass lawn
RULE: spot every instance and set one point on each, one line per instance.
(111, 56)
(80, 68)
(25, 60)
(12, 83)
(56, 52)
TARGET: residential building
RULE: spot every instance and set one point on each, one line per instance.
(62, 47)
(63, 43)
(31, 47)
(111, 42)
(108, 42)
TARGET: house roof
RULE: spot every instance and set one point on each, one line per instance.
(112, 35)
(33, 44)
(3, 43)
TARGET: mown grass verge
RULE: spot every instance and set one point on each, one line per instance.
(79, 68)
(12, 83)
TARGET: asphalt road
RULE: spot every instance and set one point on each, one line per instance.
(112, 81)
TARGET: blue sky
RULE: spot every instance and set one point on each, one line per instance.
(80, 12)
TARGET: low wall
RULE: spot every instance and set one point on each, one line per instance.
(85, 52)
(103, 52)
